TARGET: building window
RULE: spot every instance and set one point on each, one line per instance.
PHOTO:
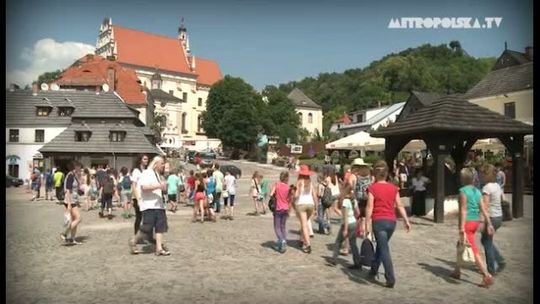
(40, 135)
(360, 118)
(199, 123)
(200, 102)
(183, 123)
(82, 136)
(65, 111)
(184, 96)
(171, 92)
(510, 110)
(43, 111)
(13, 135)
(117, 136)
(13, 170)
(310, 118)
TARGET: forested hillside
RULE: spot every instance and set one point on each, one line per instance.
(445, 68)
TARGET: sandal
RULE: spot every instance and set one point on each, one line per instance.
(486, 282)
(456, 275)
(133, 247)
(162, 252)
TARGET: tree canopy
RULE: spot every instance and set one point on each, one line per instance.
(49, 77)
(444, 69)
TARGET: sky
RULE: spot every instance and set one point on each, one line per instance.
(266, 42)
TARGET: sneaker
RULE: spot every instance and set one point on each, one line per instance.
(74, 242)
(63, 236)
(501, 267)
(283, 247)
(133, 247)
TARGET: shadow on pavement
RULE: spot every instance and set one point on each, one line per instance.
(82, 239)
(270, 244)
(420, 223)
(452, 264)
(443, 273)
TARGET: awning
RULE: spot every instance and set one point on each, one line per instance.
(362, 141)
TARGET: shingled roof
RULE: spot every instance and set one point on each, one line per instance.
(426, 98)
(502, 81)
(21, 107)
(300, 99)
(135, 141)
(453, 114)
(160, 95)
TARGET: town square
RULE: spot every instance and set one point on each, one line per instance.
(208, 156)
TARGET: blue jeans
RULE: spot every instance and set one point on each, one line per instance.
(321, 219)
(280, 223)
(492, 252)
(383, 230)
(351, 230)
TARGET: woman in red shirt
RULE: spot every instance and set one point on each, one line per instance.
(383, 199)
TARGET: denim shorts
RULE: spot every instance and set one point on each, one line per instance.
(154, 218)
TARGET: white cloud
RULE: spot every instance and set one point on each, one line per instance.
(47, 55)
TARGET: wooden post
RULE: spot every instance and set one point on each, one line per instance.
(517, 177)
(439, 187)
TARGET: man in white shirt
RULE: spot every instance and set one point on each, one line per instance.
(220, 179)
(152, 206)
(230, 187)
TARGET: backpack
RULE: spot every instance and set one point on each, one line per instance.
(367, 253)
(360, 189)
(126, 182)
(108, 186)
(49, 180)
(326, 198)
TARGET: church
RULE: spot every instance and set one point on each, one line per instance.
(166, 66)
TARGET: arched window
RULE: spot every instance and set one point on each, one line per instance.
(199, 123)
(184, 118)
(310, 118)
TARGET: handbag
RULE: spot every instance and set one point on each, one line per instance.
(272, 203)
(465, 252)
(225, 194)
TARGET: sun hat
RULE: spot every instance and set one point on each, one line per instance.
(304, 170)
(359, 162)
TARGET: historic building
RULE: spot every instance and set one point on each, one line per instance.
(167, 64)
(50, 128)
(310, 113)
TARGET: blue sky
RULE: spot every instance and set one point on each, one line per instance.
(263, 41)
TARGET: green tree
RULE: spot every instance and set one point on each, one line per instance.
(158, 125)
(232, 113)
(279, 117)
(49, 77)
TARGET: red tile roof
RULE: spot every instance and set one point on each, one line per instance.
(345, 119)
(208, 71)
(161, 52)
(91, 70)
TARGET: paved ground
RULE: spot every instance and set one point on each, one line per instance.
(232, 262)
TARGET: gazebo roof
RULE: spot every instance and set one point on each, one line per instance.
(453, 114)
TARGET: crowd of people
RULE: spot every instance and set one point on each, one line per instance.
(366, 199)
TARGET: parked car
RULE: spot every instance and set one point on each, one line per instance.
(207, 159)
(234, 170)
(13, 181)
(191, 156)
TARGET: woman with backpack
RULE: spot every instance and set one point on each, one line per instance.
(324, 202)
(125, 192)
(359, 182)
(306, 196)
(72, 192)
(281, 191)
(347, 230)
(470, 207)
(383, 199)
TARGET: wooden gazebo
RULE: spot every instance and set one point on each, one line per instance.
(450, 126)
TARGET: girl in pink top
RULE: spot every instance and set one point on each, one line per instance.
(281, 192)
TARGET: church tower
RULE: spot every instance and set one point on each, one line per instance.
(183, 37)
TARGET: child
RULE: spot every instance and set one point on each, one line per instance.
(347, 229)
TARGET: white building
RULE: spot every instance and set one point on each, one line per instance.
(309, 112)
(374, 118)
(181, 74)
